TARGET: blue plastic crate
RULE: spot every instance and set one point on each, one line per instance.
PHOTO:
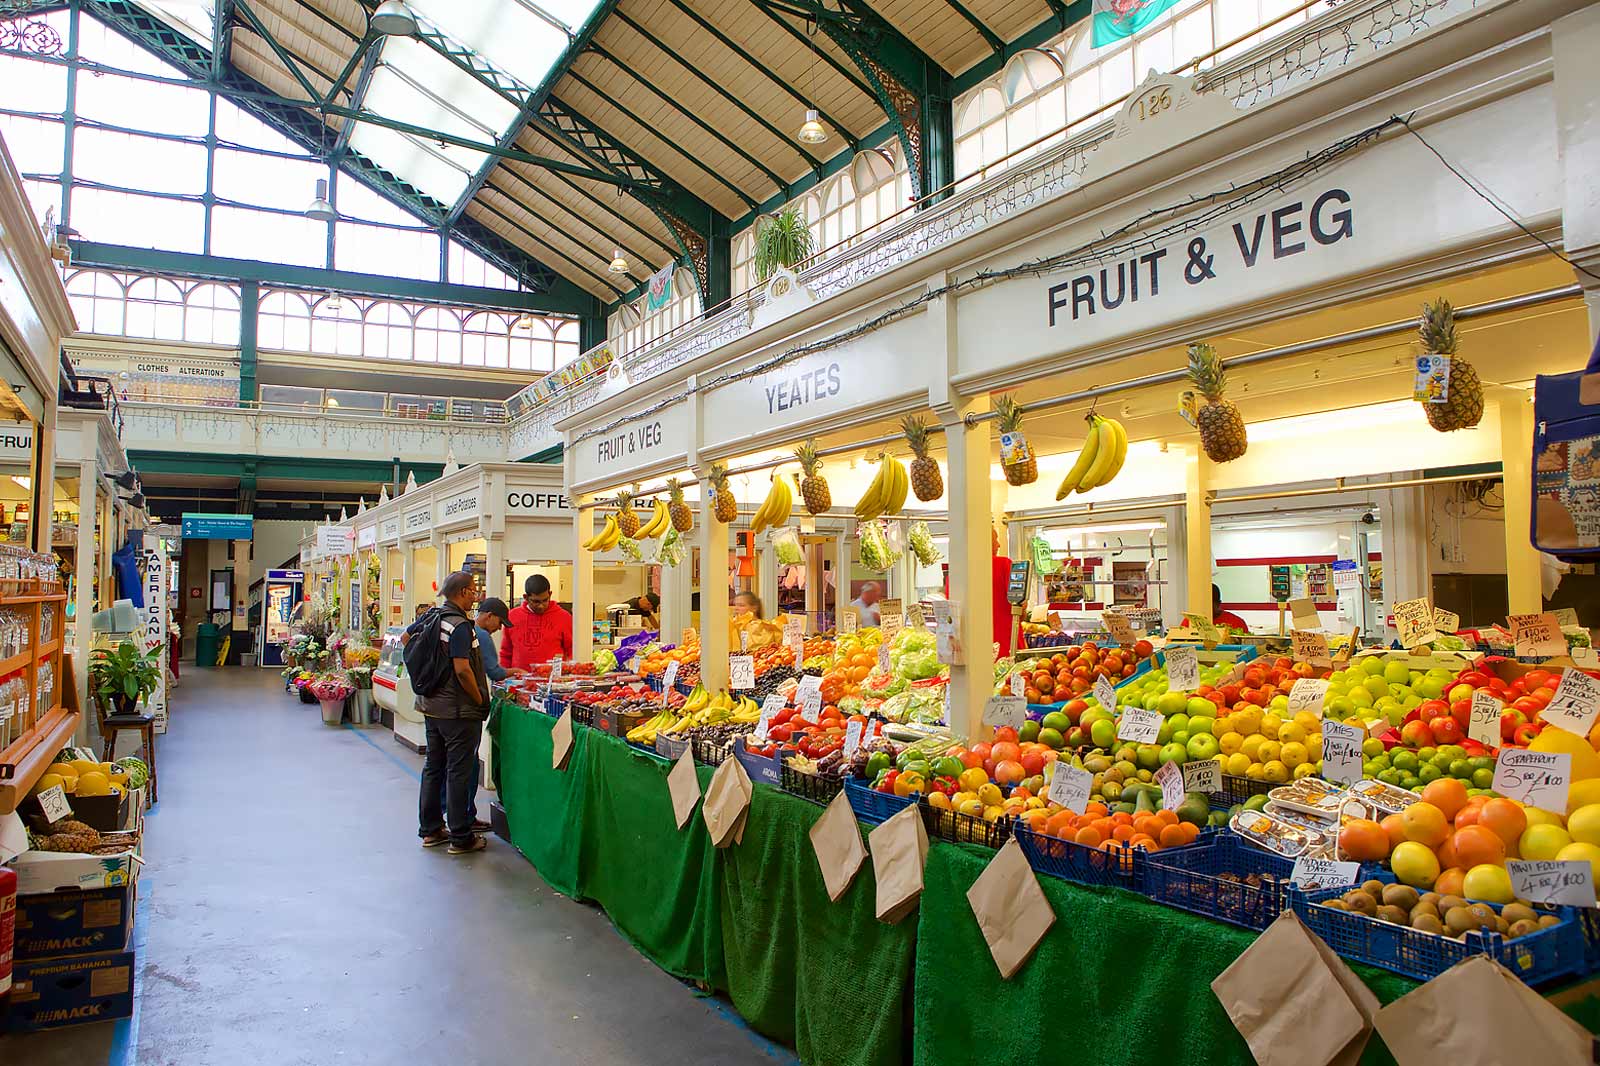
(871, 806)
(958, 828)
(1551, 954)
(1123, 867)
(1196, 877)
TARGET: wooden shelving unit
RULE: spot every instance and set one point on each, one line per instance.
(43, 731)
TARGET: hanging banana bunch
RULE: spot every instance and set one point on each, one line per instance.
(774, 510)
(607, 538)
(887, 493)
(660, 521)
(1101, 458)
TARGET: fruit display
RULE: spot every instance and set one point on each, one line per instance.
(677, 509)
(1222, 433)
(723, 506)
(1100, 459)
(657, 524)
(627, 520)
(887, 492)
(927, 484)
(1071, 672)
(1462, 407)
(1017, 460)
(654, 661)
(1149, 829)
(854, 657)
(813, 486)
(774, 510)
(607, 538)
(82, 777)
(1443, 913)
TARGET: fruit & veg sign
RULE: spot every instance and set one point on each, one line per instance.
(630, 445)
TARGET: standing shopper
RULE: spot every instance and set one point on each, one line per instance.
(540, 629)
(453, 716)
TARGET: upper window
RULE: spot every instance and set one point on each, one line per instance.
(648, 318)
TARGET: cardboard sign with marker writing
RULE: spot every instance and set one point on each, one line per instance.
(1341, 752)
(1011, 908)
(1118, 626)
(561, 740)
(1105, 694)
(1069, 786)
(1204, 628)
(891, 619)
(1566, 616)
(1413, 621)
(1307, 694)
(741, 672)
(1019, 684)
(1139, 725)
(848, 621)
(1303, 612)
(1324, 873)
(1484, 725)
(1575, 704)
(1183, 669)
(770, 709)
(1310, 647)
(1559, 883)
(1536, 636)
(852, 737)
(1170, 778)
(53, 801)
(684, 785)
(914, 617)
(1202, 775)
(836, 839)
(1005, 711)
(1537, 778)
(1446, 621)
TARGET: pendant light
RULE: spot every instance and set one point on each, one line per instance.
(812, 131)
(524, 323)
(619, 262)
(394, 19)
(319, 208)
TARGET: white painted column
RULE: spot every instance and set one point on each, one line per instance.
(971, 565)
(88, 577)
(1407, 567)
(1515, 408)
(1197, 532)
(494, 567)
(677, 596)
(1174, 593)
(583, 528)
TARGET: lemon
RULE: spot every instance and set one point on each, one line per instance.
(939, 801)
(1238, 764)
(1582, 852)
(1275, 772)
(1270, 751)
(1230, 742)
(62, 769)
(1224, 724)
(1269, 726)
(989, 795)
(1489, 882)
(1305, 769)
(1582, 793)
(1308, 722)
(1542, 841)
(1584, 824)
(1252, 745)
(1292, 733)
(974, 807)
(1414, 864)
(1540, 816)
(1035, 803)
(1293, 755)
(1247, 721)
(1256, 772)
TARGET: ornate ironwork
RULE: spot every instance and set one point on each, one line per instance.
(19, 31)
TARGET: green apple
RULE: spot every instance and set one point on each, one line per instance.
(1172, 753)
(1202, 746)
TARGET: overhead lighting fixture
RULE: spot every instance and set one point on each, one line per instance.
(394, 19)
(319, 208)
(525, 322)
(333, 303)
(619, 262)
(811, 131)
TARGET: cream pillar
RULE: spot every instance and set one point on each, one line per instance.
(88, 576)
(441, 563)
(971, 564)
(1197, 531)
(494, 567)
(766, 564)
(1515, 409)
(583, 528)
(713, 538)
(677, 596)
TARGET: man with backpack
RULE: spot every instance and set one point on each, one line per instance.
(445, 663)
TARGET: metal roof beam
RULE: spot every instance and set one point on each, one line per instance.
(839, 68)
(277, 49)
(996, 45)
(604, 238)
(366, 55)
(221, 36)
(547, 245)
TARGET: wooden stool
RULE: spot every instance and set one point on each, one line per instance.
(111, 724)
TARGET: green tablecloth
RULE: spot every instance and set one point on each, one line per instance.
(542, 805)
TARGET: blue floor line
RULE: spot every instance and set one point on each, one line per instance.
(416, 775)
(125, 1036)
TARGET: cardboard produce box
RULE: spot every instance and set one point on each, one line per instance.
(56, 871)
(75, 922)
(51, 993)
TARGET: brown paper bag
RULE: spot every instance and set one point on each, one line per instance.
(899, 848)
(1286, 1001)
(1010, 908)
(727, 799)
(561, 740)
(836, 838)
(684, 785)
(1477, 1013)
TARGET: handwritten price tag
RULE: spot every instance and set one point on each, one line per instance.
(1019, 683)
(1575, 703)
(1202, 775)
(848, 621)
(1183, 670)
(1001, 711)
(1170, 778)
(1069, 786)
(1105, 695)
(852, 738)
(915, 618)
(1307, 695)
(555, 669)
(1537, 778)
(1139, 726)
(669, 678)
(809, 701)
(1413, 621)
(1119, 627)
(1324, 873)
(1204, 628)
(769, 710)
(1446, 621)
(53, 801)
(1569, 884)
(1566, 616)
(1536, 636)
(741, 671)
(797, 644)
(1341, 753)
(793, 624)
(891, 619)
(1310, 647)
(1484, 725)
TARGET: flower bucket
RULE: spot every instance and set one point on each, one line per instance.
(332, 711)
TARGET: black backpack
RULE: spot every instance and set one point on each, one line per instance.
(427, 653)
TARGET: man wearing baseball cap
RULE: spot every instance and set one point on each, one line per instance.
(493, 615)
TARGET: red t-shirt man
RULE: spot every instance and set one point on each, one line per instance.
(541, 629)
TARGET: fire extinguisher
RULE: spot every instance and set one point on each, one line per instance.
(8, 929)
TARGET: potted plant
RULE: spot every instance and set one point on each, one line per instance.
(124, 674)
(331, 690)
(784, 240)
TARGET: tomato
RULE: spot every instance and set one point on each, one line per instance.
(781, 732)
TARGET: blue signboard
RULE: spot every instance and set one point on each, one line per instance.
(218, 527)
(286, 575)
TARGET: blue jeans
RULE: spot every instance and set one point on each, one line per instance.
(472, 797)
(449, 777)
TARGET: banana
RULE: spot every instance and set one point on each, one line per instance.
(1122, 451)
(872, 502)
(774, 510)
(606, 537)
(902, 486)
(657, 524)
(1086, 458)
(1105, 451)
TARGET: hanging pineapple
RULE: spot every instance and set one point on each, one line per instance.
(1462, 405)
(813, 486)
(1016, 457)
(1220, 424)
(926, 480)
(723, 505)
(682, 517)
(627, 521)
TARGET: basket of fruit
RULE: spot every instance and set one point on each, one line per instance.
(1112, 862)
(800, 776)
(946, 823)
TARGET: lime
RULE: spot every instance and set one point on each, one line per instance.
(1390, 776)
(1410, 782)
(1404, 761)
(1483, 778)
(1462, 769)
(1481, 762)
(1429, 772)
(1426, 754)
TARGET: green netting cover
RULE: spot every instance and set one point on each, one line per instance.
(826, 978)
(656, 882)
(544, 806)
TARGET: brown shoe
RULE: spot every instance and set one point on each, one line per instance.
(434, 839)
(478, 844)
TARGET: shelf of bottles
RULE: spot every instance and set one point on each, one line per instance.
(34, 723)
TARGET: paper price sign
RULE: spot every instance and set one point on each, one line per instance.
(1341, 753)
(797, 644)
(1304, 613)
(1568, 884)
(1324, 873)
(741, 671)
(1183, 670)
(793, 624)
(883, 657)
(1204, 628)
(1307, 695)
(555, 670)
(538, 705)
(809, 698)
(1019, 683)
(1105, 695)
(1119, 627)
(1575, 703)
(1537, 778)
(848, 621)
(914, 617)
(1069, 786)
(1005, 711)
(852, 738)
(1310, 647)
(1139, 725)
(1536, 636)
(770, 707)
(1413, 621)
(890, 618)
(1170, 778)
(1484, 725)
(1446, 621)
(1566, 616)
(1202, 775)
(53, 801)
(668, 679)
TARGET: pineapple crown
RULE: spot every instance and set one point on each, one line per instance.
(718, 475)
(675, 490)
(624, 499)
(1009, 413)
(1206, 371)
(810, 462)
(1437, 327)
(916, 434)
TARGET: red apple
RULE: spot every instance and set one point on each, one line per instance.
(1448, 731)
(1525, 733)
(1431, 710)
(1461, 711)
(1416, 734)
(1509, 721)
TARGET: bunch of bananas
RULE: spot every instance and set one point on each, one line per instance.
(1101, 458)
(775, 508)
(660, 521)
(607, 538)
(721, 709)
(645, 732)
(887, 493)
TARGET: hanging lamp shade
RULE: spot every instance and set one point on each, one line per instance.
(811, 131)
(619, 262)
(394, 19)
(319, 208)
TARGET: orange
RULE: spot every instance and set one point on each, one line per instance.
(1167, 816)
(1364, 840)
(1191, 832)
(1104, 826)
(1122, 818)
(1505, 817)
(1142, 840)
(1096, 810)
(1147, 825)
(1122, 832)
(1424, 823)
(1088, 837)
(1173, 836)
(1060, 822)
(1469, 814)
(1476, 845)
(1395, 828)
(1448, 794)
(1451, 882)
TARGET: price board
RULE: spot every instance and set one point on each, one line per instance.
(848, 621)
(1019, 683)
(891, 619)
(852, 737)
(1005, 711)
(53, 801)
(1413, 621)
(771, 707)
(1446, 621)
(808, 697)
(1307, 695)
(1105, 694)
(1139, 725)
(1202, 775)
(741, 672)
(1204, 628)
(1183, 669)
(1069, 786)
(1575, 704)
(1341, 752)
(1324, 873)
(1536, 636)
(1537, 778)
(1119, 627)
(1310, 647)
(539, 705)
(669, 678)
(1484, 725)
(915, 619)
(1558, 883)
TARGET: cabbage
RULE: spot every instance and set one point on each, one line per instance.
(922, 544)
(877, 554)
(916, 666)
(605, 661)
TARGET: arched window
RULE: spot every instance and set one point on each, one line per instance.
(532, 344)
(980, 131)
(744, 252)
(566, 342)
(838, 216)
(336, 326)
(386, 332)
(437, 337)
(486, 340)
(98, 300)
(155, 309)
(211, 314)
(284, 322)
(1035, 98)
(874, 174)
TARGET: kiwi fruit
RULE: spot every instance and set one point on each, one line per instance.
(1547, 920)
(1357, 900)
(1484, 914)
(1446, 904)
(1336, 904)
(1393, 915)
(1427, 923)
(1373, 888)
(1459, 920)
(1518, 912)
(1430, 897)
(1501, 926)
(1402, 896)
(1424, 907)
(1522, 928)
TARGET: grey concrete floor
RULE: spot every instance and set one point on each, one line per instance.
(287, 915)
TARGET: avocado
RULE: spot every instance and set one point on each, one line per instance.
(1143, 804)
(1194, 810)
(1255, 803)
(1218, 819)
(1122, 808)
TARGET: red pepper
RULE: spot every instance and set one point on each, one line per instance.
(887, 784)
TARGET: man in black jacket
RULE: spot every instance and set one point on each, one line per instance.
(453, 718)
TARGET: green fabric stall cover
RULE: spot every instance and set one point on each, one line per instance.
(656, 883)
(827, 979)
(543, 805)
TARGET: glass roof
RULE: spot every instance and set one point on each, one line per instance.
(516, 37)
(193, 17)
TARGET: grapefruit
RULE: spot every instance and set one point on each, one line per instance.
(1585, 762)
(1581, 852)
(1505, 817)
(1449, 794)
(1478, 845)
(1364, 840)
(1543, 841)
(1424, 824)
(1415, 864)
(1584, 824)
(1489, 882)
